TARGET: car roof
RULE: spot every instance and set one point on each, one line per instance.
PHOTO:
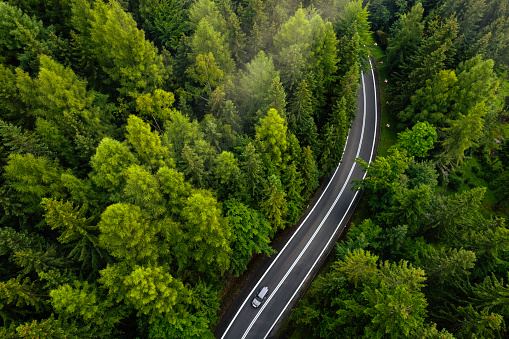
(263, 292)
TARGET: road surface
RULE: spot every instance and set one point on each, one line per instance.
(295, 265)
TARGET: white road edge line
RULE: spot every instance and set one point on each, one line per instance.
(295, 262)
(284, 247)
(303, 222)
(339, 224)
(317, 230)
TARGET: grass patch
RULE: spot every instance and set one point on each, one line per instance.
(389, 135)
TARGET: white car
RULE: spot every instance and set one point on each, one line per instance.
(260, 297)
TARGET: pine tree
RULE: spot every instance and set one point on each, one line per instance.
(301, 122)
(274, 205)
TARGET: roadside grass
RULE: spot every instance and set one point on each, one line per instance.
(388, 135)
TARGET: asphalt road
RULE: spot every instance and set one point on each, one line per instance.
(293, 268)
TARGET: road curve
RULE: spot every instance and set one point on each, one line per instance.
(295, 265)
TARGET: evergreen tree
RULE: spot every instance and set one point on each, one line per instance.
(250, 234)
(130, 62)
(309, 173)
(127, 233)
(301, 121)
(271, 131)
(274, 204)
(207, 40)
(292, 43)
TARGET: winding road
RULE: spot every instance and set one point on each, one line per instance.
(292, 270)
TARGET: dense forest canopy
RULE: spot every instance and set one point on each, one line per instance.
(150, 148)
(429, 258)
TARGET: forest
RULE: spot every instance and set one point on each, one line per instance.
(150, 148)
(429, 255)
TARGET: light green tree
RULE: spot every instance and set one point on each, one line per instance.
(130, 62)
(271, 131)
(156, 105)
(147, 144)
(33, 178)
(432, 102)
(419, 140)
(250, 234)
(292, 43)
(207, 233)
(395, 310)
(84, 301)
(461, 134)
(142, 189)
(207, 39)
(127, 233)
(108, 164)
(206, 73)
(174, 189)
(255, 85)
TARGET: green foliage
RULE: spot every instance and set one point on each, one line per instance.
(301, 119)
(383, 179)
(274, 204)
(156, 105)
(207, 233)
(109, 162)
(396, 311)
(147, 144)
(419, 140)
(463, 133)
(207, 39)
(18, 292)
(126, 233)
(130, 62)
(153, 291)
(227, 171)
(359, 267)
(22, 37)
(405, 39)
(309, 173)
(432, 102)
(448, 265)
(253, 171)
(355, 15)
(206, 73)
(164, 20)
(20, 142)
(292, 43)
(76, 229)
(250, 234)
(271, 131)
(82, 300)
(45, 328)
(65, 116)
(33, 178)
(255, 85)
